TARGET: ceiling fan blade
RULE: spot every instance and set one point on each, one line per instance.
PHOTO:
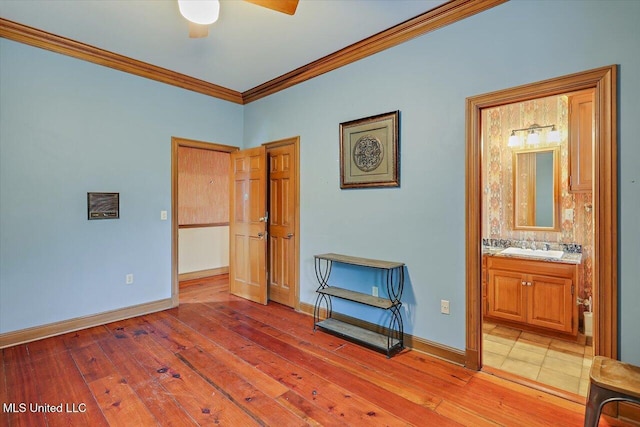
(197, 31)
(284, 6)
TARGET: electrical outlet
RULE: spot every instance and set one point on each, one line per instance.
(374, 291)
(444, 306)
(129, 279)
(163, 215)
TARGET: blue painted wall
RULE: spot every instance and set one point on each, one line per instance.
(68, 127)
(428, 79)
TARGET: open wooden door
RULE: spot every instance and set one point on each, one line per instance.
(283, 221)
(248, 225)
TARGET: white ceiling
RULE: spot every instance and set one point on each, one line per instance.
(249, 45)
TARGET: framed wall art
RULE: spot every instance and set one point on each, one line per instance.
(103, 205)
(369, 152)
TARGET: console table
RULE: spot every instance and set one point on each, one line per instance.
(388, 341)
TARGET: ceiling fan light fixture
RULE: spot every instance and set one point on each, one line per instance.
(203, 12)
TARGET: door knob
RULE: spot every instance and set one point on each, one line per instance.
(290, 235)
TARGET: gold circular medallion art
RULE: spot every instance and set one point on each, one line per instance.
(368, 153)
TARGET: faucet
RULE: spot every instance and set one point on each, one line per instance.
(532, 245)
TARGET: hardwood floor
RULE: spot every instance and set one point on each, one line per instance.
(221, 360)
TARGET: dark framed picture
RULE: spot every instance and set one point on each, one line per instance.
(369, 152)
(103, 205)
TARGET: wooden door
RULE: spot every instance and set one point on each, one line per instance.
(283, 195)
(248, 225)
(550, 302)
(507, 295)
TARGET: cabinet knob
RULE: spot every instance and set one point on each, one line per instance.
(524, 283)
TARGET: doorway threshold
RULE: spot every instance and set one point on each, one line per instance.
(564, 394)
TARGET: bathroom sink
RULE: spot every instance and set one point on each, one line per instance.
(537, 253)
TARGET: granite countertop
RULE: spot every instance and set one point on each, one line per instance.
(567, 258)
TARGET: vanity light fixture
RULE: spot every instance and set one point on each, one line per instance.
(533, 135)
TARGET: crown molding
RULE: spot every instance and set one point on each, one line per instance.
(441, 16)
(44, 40)
(446, 14)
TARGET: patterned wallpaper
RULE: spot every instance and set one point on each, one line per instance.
(498, 182)
(203, 180)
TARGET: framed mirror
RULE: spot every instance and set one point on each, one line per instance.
(536, 189)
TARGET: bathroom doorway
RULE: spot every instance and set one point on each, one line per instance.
(538, 198)
(604, 204)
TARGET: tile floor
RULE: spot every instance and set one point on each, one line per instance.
(561, 364)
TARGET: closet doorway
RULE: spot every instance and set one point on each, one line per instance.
(280, 270)
(200, 215)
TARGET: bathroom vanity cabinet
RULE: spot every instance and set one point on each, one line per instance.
(391, 339)
(535, 294)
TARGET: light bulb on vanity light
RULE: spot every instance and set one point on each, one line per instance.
(533, 138)
(553, 135)
(514, 140)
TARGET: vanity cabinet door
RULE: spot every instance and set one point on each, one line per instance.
(506, 295)
(550, 302)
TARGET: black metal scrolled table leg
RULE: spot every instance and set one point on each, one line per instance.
(395, 283)
(316, 310)
(322, 274)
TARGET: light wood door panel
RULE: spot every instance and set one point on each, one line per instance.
(282, 224)
(247, 228)
(506, 295)
(550, 303)
(581, 136)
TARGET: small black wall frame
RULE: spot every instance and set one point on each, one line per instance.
(103, 205)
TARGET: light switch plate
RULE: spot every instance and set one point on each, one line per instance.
(568, 214)
(444, 306)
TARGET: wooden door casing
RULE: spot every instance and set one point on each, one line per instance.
(247, 227)
(605, 218)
